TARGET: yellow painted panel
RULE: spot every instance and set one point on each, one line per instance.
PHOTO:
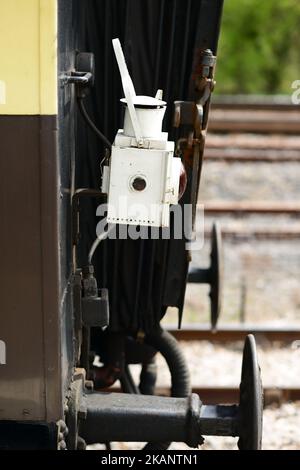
(28, 64)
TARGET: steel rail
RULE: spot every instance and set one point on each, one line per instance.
(232, 232)
(255, 102)
(244, 155)
(230, 395)
(253, 143)
(235, 333)
(250, 207)
(284, 122)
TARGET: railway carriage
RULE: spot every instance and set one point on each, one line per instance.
(67, 298)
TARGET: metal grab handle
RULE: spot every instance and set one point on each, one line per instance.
(78, 77)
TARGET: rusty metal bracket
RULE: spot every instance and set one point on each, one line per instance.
(194, 113)
(192, 118)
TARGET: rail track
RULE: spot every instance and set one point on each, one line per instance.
(251, 207)
(274, 121)
(235, 333)
(239, 145)
(255, 121)
(253, 102)
(253, 142)
(254, 114)
(245, 155)
(227, 395)
(234, 231)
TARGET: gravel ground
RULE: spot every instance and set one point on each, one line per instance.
(216, 364)
(243, 181)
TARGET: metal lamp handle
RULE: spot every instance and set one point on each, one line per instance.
(129, 90)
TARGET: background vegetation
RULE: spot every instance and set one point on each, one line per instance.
(259, 49)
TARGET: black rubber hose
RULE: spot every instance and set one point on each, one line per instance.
(166, 344)
(90, 123)
(148, 377)
(169, 348)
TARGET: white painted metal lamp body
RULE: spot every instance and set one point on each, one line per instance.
(142, 180)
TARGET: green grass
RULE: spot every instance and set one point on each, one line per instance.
(259, 49)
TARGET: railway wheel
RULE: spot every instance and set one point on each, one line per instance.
(212, 275)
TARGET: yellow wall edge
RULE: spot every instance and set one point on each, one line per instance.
(28, 64)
